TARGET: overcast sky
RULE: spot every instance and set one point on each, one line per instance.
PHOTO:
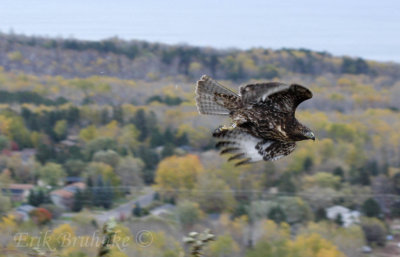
(368, 28)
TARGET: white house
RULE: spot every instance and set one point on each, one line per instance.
(349, 217)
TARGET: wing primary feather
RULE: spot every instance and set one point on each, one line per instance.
(225, 143)
(237, 156)
(245, 161)
(230, 150)
(246, 148)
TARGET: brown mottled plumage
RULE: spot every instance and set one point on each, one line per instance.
(264, 124)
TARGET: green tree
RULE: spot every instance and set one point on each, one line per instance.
(98, 191)
(374, 230)
(339, 172)
(74, 167)
(308, 163)
(213, 194)
(4, 142)
(78, 201)
(51, 173)
(45, 152)
(339, 219)
(188, 213)
(99, 144)
(108, 195)
(130, 171)
(320, 214)
(109, 157)
(286, 183)
(277, 215)
(137, 210)
(223, 246)
(105, 171)
(118, 114)
(140, 122)
(371, 208)
(168, 150)
(38, 197)
(19, 133)
(5, 204)
(60, 129)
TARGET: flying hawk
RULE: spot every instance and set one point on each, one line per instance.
(264, 125)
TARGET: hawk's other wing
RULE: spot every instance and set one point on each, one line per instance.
(286, 97)
(247, 148)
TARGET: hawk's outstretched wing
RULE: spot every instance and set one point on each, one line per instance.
(206, 100)
(248, 148)
(286, 97)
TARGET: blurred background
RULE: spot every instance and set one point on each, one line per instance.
(98, 120)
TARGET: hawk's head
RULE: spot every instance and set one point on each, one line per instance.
(309, 135)
(304, 133)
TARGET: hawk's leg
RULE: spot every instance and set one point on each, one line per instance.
(225, 128)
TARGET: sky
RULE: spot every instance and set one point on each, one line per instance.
(369, 29)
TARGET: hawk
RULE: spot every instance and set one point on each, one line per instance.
(264, 124)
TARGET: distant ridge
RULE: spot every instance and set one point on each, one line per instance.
(142, 60)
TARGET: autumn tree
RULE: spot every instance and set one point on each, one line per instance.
(178, 174)
(130, 171)
(100, 169)
(188, 213)
(109, 157)
(51, 173)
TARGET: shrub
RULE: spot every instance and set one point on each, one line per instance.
(40, 216)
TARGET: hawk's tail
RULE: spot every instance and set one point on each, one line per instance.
(209, 94)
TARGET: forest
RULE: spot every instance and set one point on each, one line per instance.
(117, 119)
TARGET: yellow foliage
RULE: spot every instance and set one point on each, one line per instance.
(96, 169)
(61, 236)
(89, 133)
(224, 246)
(178, 173)
(110, 130)
(8, 224)
(5, 124)
(321, 179)
(15, 56)
(273, 232)
(314, 246)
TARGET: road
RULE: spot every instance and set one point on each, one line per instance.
(126, 208)
(123, 209)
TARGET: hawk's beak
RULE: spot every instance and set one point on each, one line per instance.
(311, 136)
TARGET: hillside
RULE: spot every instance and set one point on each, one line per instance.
(143, 60)
(119, 115)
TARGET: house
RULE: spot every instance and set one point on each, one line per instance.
(22, 212)
(17, 192)
(70, 141)
(64, 197)
(349, 217)
(25, 154)
(72, 179)
(163, 210)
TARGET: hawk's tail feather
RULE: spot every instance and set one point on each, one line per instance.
(206, 91)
